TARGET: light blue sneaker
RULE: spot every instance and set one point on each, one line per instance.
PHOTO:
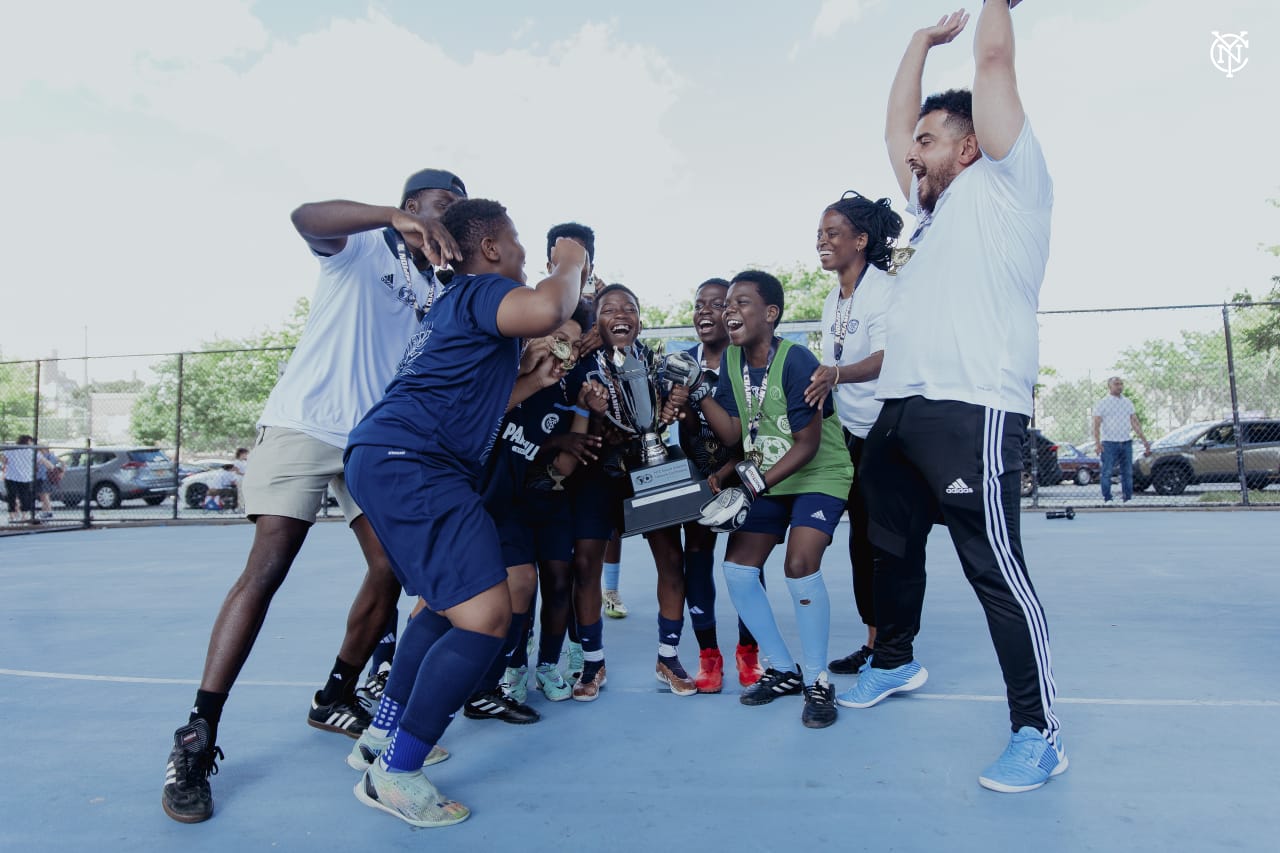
(552, 683)
(515, 683)
(876, 684)
(1026, 763)
(573, 669)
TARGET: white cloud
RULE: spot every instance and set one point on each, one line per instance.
(834, 14)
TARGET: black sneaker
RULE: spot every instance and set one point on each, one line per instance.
(770, 686)
(852, 664)
(496, 705)
(819, 705)
(370, 693)
(186, 796)
(345, 715)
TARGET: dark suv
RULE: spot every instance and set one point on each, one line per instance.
(1206, 453)
(118, 474)
(1039, 462)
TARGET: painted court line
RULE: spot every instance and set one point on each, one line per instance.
(943, 697)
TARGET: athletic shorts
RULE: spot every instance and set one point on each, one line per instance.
(290, 474)
(431, 521)
(773, 514)
(535, 532)
(597, 505)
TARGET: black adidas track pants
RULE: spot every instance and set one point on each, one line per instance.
(926, 458)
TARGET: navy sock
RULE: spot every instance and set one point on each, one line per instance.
(571, 628)
(707, 638)
(700, 588)
(519, 655)
(341, 682)
(493, 674)
(406, 752)
(669, 631)
(419, 636)
(592, 648)
(386, 648)
(449, 673)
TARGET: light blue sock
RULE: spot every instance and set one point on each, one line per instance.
(813, 618)
(611, 572)
(752, 604)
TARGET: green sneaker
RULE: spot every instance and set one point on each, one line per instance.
(515, 683)
(370, 746)
(552, 683)
(409, 796)
(574, 668)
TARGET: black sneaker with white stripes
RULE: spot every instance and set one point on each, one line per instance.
(186, 796)
(770, 686)
(819, 705)
(496, 705)
(346, 716)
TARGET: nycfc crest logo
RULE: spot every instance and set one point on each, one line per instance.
(549, 422)
(1227, 52)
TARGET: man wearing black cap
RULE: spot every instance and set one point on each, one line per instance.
(376, 284)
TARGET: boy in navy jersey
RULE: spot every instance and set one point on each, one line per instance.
(415, 463)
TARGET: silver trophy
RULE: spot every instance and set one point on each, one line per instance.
(667, 487)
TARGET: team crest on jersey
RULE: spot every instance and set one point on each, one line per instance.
(850, 327)
(784, 425)
(549, 422)
(417, 344)
(772, 449)
(775, 394)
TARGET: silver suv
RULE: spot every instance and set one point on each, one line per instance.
(1206, 453)
(117, 474)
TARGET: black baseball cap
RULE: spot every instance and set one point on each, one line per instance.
(433, 179)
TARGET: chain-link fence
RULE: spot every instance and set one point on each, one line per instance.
(1202, 379)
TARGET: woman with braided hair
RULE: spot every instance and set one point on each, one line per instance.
(855, 241)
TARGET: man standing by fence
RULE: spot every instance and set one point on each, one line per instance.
(1113, 418)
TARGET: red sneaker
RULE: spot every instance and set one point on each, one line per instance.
(749, 669)
(710, 677)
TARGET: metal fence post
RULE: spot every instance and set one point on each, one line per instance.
(88, 479)
(35, 418)
(177, 436)
(1235, 408)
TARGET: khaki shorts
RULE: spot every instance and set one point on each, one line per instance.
(288, 475)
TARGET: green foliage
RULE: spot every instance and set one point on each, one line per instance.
(17, 399)
(224, 389)
(805, 290)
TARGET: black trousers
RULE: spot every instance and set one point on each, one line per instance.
(925, 457)
(861, 557)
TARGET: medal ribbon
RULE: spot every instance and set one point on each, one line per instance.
(755, 396)
(408, 280)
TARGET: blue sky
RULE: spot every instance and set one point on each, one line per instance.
(154, 149)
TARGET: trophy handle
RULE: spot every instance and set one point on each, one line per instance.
(608, 383)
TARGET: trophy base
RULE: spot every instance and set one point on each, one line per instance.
(666, 494)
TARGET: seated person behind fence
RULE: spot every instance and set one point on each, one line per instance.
(222, 491)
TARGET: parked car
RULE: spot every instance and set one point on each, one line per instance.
(118, 474)
(194, 488)
(1205, 452)
(1039, 462)
(1079, 467)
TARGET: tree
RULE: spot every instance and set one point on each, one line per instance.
(17, 399)
(224, 388)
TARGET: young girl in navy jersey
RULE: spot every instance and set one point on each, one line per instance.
(414, 464)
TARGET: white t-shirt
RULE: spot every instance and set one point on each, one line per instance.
(361, 318)
(1115, 412)
(962, 324)
(856, 402)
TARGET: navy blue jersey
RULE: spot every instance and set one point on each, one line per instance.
(452, 385)
(615, 458)
(697, 439)
(796, 373)
(515, 467)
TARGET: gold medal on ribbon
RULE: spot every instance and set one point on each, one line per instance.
(898, 259)
(562, 351)
(755, 456)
